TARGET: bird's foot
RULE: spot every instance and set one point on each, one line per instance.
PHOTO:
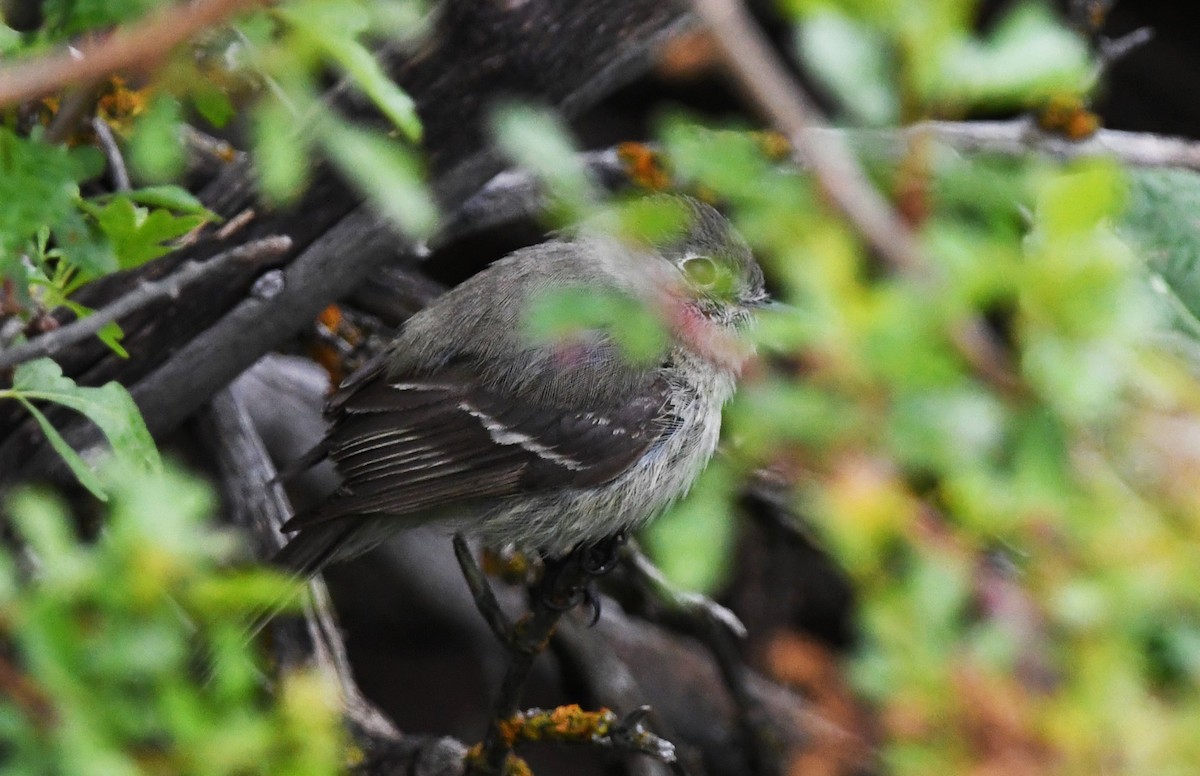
(569, 581)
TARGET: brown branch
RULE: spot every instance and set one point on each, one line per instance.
(137, 45)
(765, 80)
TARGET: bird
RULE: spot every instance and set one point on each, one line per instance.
(467, 421)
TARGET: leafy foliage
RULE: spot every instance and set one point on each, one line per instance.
(111, 638)
(110, 407)
(1023, 544)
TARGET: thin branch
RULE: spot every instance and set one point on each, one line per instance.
(112, 152)
(687, 603)
(1021, 137)
(766, 81)
(140, 44)
(481, 592)
(169, 287)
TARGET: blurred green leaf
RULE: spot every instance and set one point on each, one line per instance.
(112, 638)
(537, 141)
(169, 197)
(37, 186)
(692, 543)
(390, 174)
(1029, 57)
(1161, 221)
(280, 151)
(334, 28)
(567, 315)
(156, 148)
(853, 62)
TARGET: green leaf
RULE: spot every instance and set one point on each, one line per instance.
(565, 314)
(137, 234)
(212, 103)
(280, 151)
(1163, 221)
(37, 187)
(156, 149)
(110, 333)
(1029, 57)
(335, 37)
(110, 407)
(385, 171)
(171, 197)
(539, 142)
(693, 542)
(87, 478)
(82, 247)
(853, 62)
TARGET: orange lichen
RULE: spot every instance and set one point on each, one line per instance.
(565, 723)
(118, 105)
(1068, 115)
(644, 166)
(774, 144)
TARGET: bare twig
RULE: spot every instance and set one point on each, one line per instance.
(481, 591)
(76, 103)
(761, 74)
(112, 152)
(138, 45)
(170, 286)
(689, 604)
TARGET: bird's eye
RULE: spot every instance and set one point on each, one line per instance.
(701, 270)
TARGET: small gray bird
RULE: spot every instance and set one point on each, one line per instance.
(466, 421)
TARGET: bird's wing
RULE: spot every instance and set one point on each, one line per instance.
(408, 444)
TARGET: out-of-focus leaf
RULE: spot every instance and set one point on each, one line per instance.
(1163, 222)
(37, 186)
(562, 315)
(387, 172)
(693, 541)
(1029, 58)
(538, 141)
(156, 149)
(213, 104)
(337, 40)
(171, 197)
(280, 151)
(853, 62)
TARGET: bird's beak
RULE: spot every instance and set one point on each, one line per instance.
(770, 305)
